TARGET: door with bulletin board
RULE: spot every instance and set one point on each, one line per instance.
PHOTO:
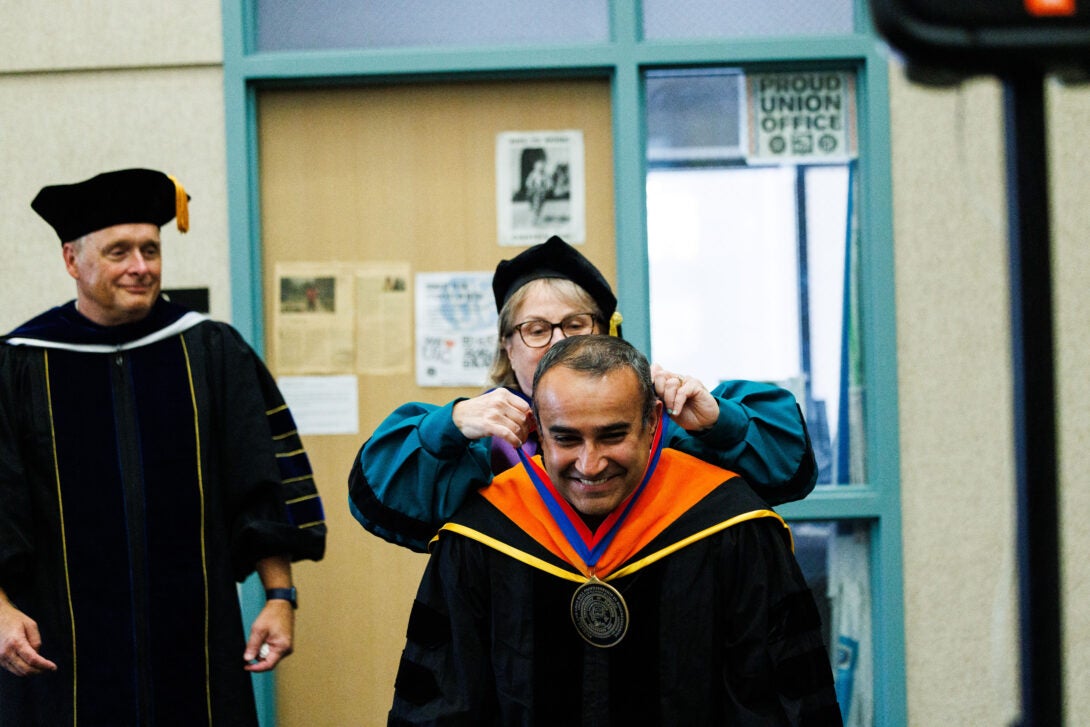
(372, 185)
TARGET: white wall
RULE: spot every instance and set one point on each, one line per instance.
(956, 418)
(1069, 111)
(133, 83)
(66, 34)
(955, 404)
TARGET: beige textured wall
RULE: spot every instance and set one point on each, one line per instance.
(956, 422)
(85, 89)
(1069, 112)
(58, 34)
(955, 394)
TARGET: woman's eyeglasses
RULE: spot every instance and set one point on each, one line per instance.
(537, 333)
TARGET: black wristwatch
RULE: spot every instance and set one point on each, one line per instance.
(284, 594)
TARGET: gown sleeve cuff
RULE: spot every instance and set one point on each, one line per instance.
(729, 429)
(438, 434)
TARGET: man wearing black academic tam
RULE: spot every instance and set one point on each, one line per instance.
(147, 464)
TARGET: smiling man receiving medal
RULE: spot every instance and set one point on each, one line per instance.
(611, 581)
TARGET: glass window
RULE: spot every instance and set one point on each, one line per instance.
(346, 24)
(694, 115)
(834, 557)
(752, 241)
(672, 19)
(751, 244)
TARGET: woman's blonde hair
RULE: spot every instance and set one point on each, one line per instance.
(501, 373)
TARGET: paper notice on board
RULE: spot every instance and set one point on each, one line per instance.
(455, 328)
(540, 186)
(337, 318)
(384, 319)
(314, 319)
(322, 404)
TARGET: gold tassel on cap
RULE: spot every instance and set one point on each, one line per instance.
(615, 321)
(181, 205)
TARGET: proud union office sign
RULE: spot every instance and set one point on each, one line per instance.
(801, 117)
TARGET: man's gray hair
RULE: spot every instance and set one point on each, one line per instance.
(77, 244)
(597, 355)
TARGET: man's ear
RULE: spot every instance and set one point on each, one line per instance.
(656, 418)
(69, 253)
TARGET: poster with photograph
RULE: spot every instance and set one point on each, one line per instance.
(455, 328)
(338, 318)
(314, 321)
(540, 186)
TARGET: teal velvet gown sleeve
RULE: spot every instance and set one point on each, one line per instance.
(417, 468)
(413, 473)
(761, 435)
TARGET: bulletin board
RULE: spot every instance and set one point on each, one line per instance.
(358, 181)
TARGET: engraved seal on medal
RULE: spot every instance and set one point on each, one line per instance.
(599, 613)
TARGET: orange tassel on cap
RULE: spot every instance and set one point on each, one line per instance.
(181, 205)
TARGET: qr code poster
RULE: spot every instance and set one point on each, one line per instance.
(455, 328)
(540, 186)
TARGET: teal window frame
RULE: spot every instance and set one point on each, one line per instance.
(623, 60)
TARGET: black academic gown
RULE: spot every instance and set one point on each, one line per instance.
(722, 627)
(144, 469)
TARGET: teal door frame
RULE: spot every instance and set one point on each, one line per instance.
(622, 59)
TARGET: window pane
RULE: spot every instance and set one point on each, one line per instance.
(752, 267)
(694, 115)
(835, 559)
(669, 19)
(834, 396)
(342, 24)
(724, 273)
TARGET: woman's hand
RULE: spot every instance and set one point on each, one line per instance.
(689, 404)
(499, 413)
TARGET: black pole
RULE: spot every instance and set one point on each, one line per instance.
(1038, 523)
